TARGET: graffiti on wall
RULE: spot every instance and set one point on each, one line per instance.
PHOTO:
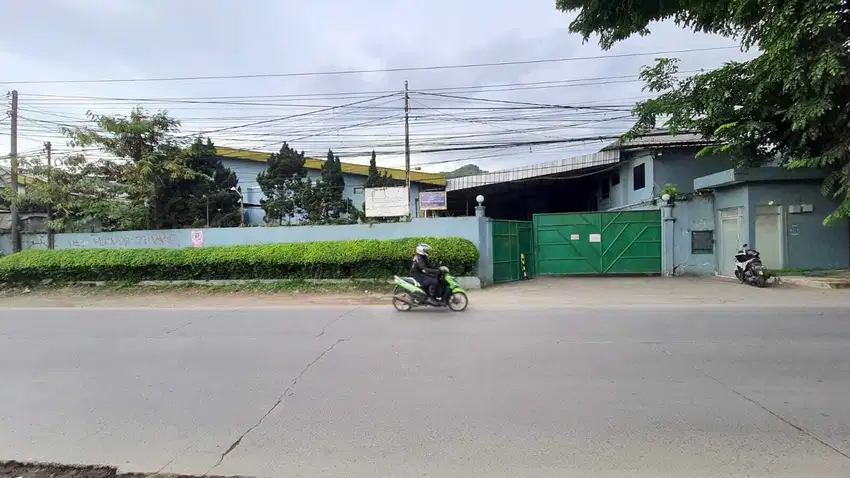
(129, 241)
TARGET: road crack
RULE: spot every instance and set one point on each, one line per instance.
(335, 321)
(776, 415)
(181, 327)
(277, 403)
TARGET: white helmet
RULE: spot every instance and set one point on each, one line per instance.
(423, 250)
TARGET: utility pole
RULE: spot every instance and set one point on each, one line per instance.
(13, 171)
(48, 148)
(407, 145)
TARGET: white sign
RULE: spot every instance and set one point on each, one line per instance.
(574, 237)
(387, 202)
(197, 238)
(596, 238)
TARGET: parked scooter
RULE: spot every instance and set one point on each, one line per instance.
(749, 269)
(409, 293)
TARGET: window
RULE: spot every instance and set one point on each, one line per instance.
(606, 188)
(615, 178)
(702, 242)
(639, 177)
(358, 190)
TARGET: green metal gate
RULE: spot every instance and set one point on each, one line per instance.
(598, 243)
(513, 250)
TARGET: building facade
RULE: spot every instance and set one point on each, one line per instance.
(248, 164)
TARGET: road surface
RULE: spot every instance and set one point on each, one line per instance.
(600, 390)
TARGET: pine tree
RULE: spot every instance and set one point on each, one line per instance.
(285, 185)
(329, 191)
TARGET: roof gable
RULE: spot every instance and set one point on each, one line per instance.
(348, 168)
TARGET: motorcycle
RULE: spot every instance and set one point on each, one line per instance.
(408, 293)
(749, 269)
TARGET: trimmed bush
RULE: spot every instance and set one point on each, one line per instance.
(362, 259)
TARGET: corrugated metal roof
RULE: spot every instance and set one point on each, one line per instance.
(601, 158)
(659, 137)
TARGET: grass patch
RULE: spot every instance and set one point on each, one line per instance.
(805, 272)
(297, 286)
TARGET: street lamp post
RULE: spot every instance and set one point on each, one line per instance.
(241, 202)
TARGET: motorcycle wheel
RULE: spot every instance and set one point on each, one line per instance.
(739, 275)
(458, 302)
(760, 282)
(401, 305)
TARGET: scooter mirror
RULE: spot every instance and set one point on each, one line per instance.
(746, 246)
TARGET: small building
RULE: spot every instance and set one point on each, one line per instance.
(604, 213)
(651, 164)
(248, 164)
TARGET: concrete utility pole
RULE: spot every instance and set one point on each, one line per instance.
(13, 171)
(48, 148)
(407, 144)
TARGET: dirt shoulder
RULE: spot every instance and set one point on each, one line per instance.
(253, 295)
(14, 469)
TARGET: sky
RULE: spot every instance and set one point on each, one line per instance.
(51, 51)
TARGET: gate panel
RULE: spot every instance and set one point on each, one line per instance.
(563, 244)
(505, 252)
(631, 242)
(606, 243)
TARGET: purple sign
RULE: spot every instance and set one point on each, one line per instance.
(432, 200)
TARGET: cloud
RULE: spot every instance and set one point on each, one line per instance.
(90, 39)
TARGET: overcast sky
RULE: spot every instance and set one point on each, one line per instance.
(109, 39)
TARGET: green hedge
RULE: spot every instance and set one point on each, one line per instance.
(314, 260)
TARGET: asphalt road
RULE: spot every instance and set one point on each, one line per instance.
(654, 391)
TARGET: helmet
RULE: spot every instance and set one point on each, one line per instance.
(423, 250)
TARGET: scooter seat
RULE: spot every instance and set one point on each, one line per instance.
(411, 280)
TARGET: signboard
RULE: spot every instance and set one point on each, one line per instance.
(595, 238)
(197, 238)
(387, 202)
(575, 237)
(432, 201)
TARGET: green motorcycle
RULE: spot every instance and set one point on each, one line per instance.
(408, 293)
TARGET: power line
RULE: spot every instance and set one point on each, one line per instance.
(363, 71)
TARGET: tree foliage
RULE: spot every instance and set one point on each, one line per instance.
(142, 177)
(375, 178)
(285, 185)
(205, 198)
(787, 104)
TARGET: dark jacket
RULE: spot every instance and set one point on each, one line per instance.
(422, 267)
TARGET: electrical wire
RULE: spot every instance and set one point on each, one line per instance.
(363, 71)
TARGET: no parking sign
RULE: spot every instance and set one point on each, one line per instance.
(197, 238)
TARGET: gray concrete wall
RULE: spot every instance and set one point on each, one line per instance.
(808, 243)
(623, 194)
(694, 215)
(466, 227)
(681, 166)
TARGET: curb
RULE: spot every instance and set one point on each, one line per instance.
(469, 283)
(824, 284)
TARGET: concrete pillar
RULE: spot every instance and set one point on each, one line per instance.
(485, 247)
(668, 222)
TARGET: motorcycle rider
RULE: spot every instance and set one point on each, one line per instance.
(424, 272)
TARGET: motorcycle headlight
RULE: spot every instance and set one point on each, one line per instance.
(761, 272)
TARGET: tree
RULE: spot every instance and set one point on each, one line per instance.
(286, 186)
(375, 178)
(328, 202)
(788, 104)
(82, 193)
(205, 198)
(149, 158)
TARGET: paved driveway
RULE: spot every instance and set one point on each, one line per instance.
(613, 386)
